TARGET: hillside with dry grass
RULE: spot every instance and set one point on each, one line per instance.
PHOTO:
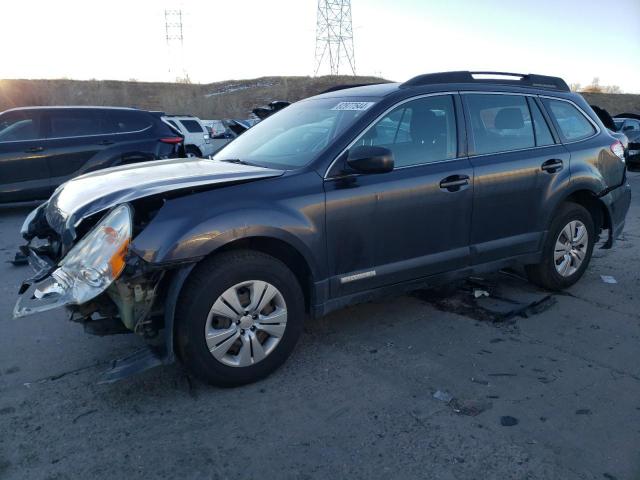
(229, 99)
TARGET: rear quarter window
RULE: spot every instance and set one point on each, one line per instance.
(192, 126)
(125, 121)
(571, 122)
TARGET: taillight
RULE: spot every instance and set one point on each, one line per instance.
(618, 149)
(172, 140)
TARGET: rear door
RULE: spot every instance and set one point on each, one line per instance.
(409, 223)
(24, 171)
(73, 138)
(131, 139)
(518, 165)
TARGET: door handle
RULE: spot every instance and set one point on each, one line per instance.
(34, 149)
(552, 166)
(106, 142)
(453, 183)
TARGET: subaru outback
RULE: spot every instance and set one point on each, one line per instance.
(336, 199)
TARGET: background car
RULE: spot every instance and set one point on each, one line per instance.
(43, 147)
(197, 141)
(613, 128)
(629, 124)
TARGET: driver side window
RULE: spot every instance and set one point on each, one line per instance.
(19, 125)
(417, 132)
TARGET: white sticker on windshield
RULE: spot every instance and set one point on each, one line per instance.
(353, 106)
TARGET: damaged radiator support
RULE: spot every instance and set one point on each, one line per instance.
(134, 298)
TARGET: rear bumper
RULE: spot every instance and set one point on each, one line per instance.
(617, 202)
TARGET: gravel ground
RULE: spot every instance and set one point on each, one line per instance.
(531, 386)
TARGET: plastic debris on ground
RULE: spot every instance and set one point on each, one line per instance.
(497, 298)
(608, 279)
(461, 406)
(470, 408)
(443, 396)
(508, 421)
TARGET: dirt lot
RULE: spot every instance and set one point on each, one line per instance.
(356, 400)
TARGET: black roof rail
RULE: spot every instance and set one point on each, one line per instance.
(517, 79)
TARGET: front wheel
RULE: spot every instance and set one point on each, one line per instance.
(567, 250)
(239, 317)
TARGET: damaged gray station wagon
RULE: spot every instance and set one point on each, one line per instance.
(334, 200)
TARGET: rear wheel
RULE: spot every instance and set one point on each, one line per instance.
(192, 152)
(567, 250)
(239, 317)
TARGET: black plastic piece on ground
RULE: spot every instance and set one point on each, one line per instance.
(139, 361)
(105, 326)
(20, 259)
(508, 421)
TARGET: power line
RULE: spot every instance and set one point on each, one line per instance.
(334, 37)
(174, 36)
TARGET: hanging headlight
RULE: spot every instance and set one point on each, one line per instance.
(87, 270)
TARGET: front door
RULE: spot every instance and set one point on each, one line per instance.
(412, 222)
(24, 172)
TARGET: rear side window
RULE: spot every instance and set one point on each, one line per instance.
(543, 134)
(500, 123)
(73, 123)
(19, 126)
(124, 121)
(572, 123)
(417, 132)
(631, 126)
(175, 125)
(192, 126)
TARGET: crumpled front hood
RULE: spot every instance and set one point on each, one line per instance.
(97, 191)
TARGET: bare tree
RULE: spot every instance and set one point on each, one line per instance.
(594, 87)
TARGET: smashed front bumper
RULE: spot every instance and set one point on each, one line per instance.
(42, 291)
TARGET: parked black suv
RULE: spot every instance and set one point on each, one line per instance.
(333, 200)
(43, 147)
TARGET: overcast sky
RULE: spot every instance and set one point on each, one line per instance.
(396, 39)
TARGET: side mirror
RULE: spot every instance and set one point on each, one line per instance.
(370, 159)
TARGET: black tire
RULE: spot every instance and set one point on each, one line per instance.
(203, 287)
(544, 274)
(191, 151)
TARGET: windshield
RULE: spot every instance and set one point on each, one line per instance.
(296, 135)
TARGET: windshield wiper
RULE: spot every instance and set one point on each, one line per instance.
(236, 160)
